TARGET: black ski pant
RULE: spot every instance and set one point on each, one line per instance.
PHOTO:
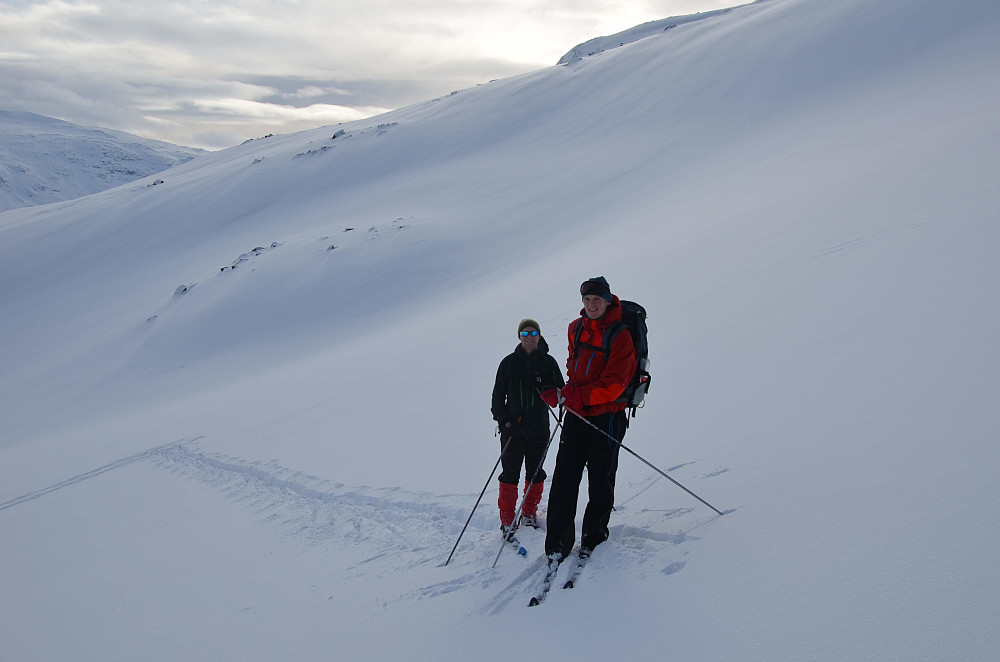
(526, 449)
(582, 446)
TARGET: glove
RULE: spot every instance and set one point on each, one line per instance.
(571, 398)
(551, 397)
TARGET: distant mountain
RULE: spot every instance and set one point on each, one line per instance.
(45, 160)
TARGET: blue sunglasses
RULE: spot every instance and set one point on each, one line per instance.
(525, 334)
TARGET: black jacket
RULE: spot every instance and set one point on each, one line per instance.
(515, 393)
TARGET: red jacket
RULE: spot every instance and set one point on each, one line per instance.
(601, 379)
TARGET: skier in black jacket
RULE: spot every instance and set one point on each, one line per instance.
(524, 421)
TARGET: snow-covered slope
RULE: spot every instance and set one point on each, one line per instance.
(246, 411)
(45, 160)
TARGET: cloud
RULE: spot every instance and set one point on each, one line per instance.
(312, 91)
(253, 112)
(181, 71)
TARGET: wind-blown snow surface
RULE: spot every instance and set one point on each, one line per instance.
(246, 411)
(44, 160)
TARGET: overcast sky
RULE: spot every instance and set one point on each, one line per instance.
(212, 74)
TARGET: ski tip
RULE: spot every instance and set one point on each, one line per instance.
(522, 552)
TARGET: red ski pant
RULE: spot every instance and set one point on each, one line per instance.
(526, 450)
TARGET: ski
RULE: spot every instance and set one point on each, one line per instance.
(550, 575)
(514, 544)
(574, 574)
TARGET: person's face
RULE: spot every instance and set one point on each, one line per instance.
(529, 342)
(595, 306)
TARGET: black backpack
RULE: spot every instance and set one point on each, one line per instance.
(633, 319)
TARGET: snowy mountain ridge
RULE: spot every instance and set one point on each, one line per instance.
(246, 410)
(600, 44)
(44, 160)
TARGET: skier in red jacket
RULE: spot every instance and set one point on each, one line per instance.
(596, 379)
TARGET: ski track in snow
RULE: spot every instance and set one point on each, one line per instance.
(392, 530)
(397, 528)
(117, 464)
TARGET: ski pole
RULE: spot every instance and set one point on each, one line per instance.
(488, 481)
(640, 458)
(524, 498)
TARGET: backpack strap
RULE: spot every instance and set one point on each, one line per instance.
(609, 338)
(610, 333)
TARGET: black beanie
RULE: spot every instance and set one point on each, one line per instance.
(598, 286)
